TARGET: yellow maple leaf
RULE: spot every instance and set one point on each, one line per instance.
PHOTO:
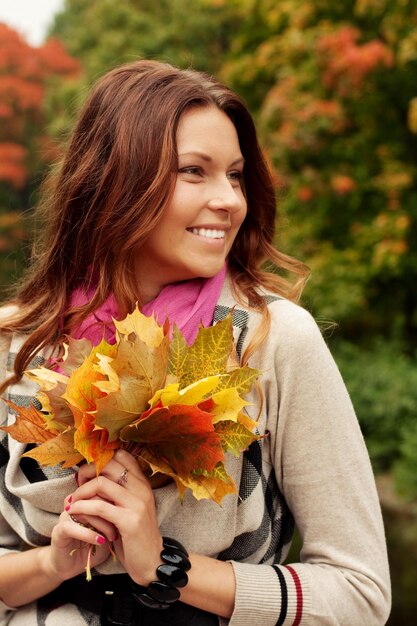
(192, 394)
(57, 412)
(139, 371)
(75, 351)
(249, 423)
(46, 378)
(111, 382)
(143, 327)
(228, 405)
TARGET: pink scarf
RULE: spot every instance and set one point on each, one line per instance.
(187, 304)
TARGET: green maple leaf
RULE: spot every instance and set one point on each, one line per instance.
(207, 356)
(234, 436)
(241, 378)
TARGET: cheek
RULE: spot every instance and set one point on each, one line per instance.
(241, 216)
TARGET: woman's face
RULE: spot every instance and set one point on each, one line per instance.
(199, 225)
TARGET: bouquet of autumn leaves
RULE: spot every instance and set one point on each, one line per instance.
(177, 408)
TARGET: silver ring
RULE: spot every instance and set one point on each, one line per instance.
(123, 477)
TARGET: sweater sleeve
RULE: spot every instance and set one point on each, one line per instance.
(9, 540)
(324, 473)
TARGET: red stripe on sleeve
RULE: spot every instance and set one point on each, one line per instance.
(299, 591)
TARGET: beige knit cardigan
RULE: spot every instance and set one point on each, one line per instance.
(312, 467)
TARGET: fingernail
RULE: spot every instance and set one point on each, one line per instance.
(70, 499)
(100, 540)
(67, 508)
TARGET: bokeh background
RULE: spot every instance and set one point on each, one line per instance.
(333, 88)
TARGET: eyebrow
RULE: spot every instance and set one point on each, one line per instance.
(206, 157)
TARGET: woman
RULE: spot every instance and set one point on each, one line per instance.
(163, 184)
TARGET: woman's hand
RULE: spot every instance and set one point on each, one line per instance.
(120, 504)
(71, 542)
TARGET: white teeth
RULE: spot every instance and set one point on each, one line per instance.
(211, 233)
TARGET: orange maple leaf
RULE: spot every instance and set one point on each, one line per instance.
(93, 444)
(30, 425)
(59, 449)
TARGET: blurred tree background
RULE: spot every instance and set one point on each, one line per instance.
(332, 86)
(26, 146)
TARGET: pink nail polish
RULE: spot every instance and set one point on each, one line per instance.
(70, 499)
(101, 540)
(67, 508)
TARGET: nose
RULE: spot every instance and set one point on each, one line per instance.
(226, 197)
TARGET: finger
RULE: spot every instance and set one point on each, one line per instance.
(114, 484)
(129, 462)
(67, 530)
(97, 524)
(104, 488)
(86, 472)
(113, 470)
(98, 510)
(127, 511)
(102, 526)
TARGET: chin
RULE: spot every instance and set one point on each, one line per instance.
(209, 272)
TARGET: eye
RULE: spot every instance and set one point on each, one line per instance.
(236, 177)
(192, 170)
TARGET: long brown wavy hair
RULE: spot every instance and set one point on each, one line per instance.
(110, 191)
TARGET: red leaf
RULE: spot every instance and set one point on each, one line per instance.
(182, 436)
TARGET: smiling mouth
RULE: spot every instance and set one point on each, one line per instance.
(210, 233)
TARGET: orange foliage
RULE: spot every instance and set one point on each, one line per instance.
(300, 117)
(55, 60)
(346, 64)
(15, 53)
(342, 184)
(305, 194)
(330, 109)
(24, 73)
(20, 94)
(12, 166)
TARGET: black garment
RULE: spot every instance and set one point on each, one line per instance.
(110, 597)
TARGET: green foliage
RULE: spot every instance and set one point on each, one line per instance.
(405, 470)
(382, 382)
(107, 33)
(334, 88)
